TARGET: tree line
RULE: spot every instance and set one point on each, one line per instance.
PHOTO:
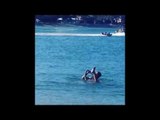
(81, 19)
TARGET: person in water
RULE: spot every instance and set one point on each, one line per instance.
(85, 75)
(95, 75)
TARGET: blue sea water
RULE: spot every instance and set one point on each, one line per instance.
(60, 61)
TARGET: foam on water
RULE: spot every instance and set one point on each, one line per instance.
(70, 34)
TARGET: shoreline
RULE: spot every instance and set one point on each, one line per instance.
(82, 25)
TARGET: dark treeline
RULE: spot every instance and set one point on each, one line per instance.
(108, 20)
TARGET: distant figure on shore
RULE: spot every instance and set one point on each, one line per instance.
(93, 73)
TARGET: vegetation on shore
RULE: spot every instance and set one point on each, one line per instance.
(85, 20)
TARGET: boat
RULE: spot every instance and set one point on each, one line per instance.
(116, 33)
(107, 34)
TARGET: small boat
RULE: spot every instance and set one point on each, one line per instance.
(119, 32)
(107, 34)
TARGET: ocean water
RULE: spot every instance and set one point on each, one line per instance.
(60, 62)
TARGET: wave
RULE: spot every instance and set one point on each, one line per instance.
(71, 34)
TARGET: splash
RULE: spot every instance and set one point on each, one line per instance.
(71, 34)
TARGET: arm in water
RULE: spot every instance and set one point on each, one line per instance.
(94, 73)
(84, 77)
